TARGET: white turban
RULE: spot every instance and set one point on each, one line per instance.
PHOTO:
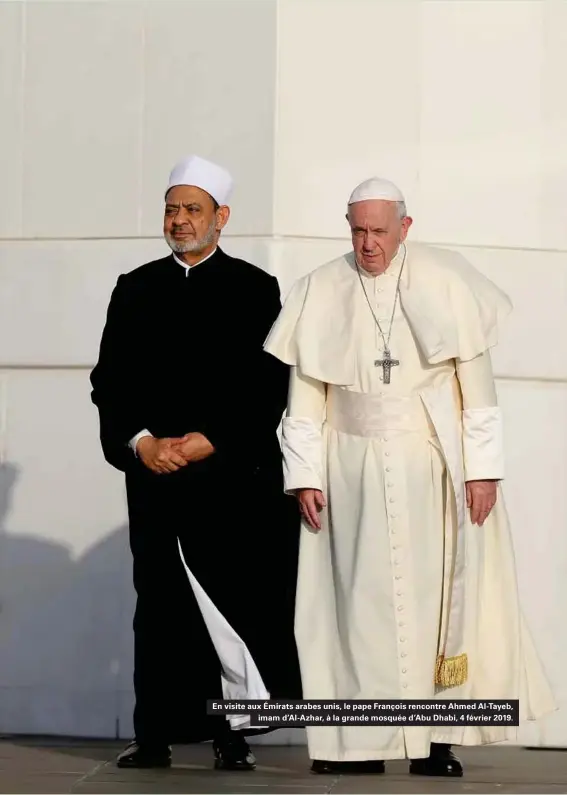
(200, 173)
(376, 188)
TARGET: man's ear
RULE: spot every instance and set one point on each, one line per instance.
(406, 223)
(223, 214)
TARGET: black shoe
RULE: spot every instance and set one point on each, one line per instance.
(367, 767)
(440, 762)
(137, 755)
(232, 752)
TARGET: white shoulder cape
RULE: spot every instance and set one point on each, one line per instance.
(454, 311)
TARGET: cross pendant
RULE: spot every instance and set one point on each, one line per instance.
(386, 364)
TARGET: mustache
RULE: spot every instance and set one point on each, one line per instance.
(196, 245)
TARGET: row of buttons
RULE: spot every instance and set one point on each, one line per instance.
(395, 548)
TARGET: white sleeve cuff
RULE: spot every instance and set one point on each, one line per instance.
(302, 450)
(135, 439)
(483, 451)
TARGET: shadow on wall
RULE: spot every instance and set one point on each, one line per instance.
(66, 641)
(65, 631)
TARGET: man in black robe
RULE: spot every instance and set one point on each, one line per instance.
(189, 405)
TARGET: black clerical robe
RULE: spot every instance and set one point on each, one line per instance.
(182, 351)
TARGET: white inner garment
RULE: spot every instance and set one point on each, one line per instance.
(240, 676)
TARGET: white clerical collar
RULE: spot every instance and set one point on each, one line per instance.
(188, 267)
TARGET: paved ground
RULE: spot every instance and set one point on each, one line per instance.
(36, 766)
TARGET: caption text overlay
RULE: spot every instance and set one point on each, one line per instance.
(396, 713)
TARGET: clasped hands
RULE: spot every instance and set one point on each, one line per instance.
(171, 454)
(481, 499)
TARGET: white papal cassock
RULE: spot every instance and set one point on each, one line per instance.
(399, 595)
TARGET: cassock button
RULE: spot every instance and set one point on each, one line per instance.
(386, 453)
(400, 608)
(388, 469)
(404, 670)
(393, 516)
(399, 593)
(404, 685)
(392, 499)
(398, 576)
(404, 654)
(402, 640)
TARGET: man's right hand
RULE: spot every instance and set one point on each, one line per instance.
(311, 503)
(159, 455)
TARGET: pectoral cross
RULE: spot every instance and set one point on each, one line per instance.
(386, 364)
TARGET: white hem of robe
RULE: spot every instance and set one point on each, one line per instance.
(241, 679)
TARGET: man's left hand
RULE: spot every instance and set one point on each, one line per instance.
(481, 499)
(194, 447)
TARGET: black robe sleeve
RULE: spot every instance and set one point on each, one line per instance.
(114, 379)
(242, 423)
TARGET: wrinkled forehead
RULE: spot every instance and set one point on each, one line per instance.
(189, 194)
(372, 212)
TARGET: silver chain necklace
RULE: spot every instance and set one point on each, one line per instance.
(386, 363)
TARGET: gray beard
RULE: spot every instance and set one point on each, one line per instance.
(193, 246)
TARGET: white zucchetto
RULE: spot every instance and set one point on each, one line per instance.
(201, 173)
(376, 188)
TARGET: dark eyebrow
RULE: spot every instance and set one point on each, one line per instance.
(171, 206)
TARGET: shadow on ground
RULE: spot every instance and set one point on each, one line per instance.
(34, 765)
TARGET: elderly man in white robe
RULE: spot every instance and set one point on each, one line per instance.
(392, 443)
